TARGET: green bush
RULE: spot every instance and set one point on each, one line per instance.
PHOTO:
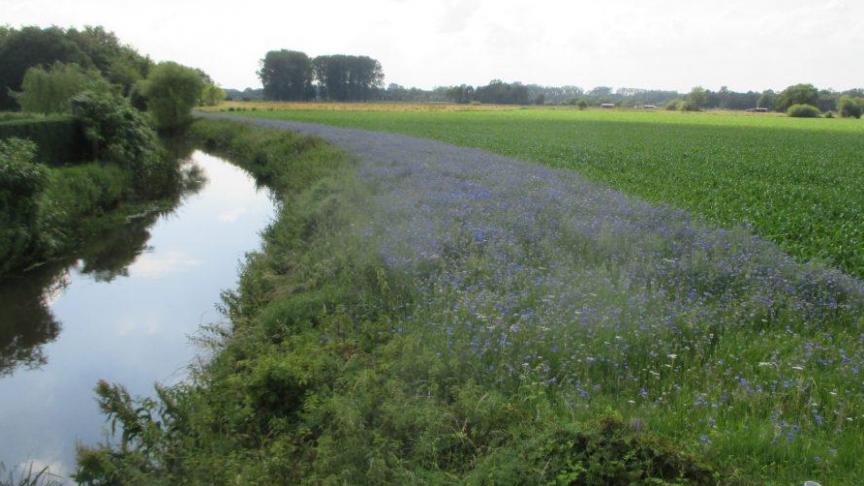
(22, 181)
(51, 90)
(688, 106)
(803, 111)
(172, 91)
(76, 193)
(849, 107)
(59, 139)
(120, 134)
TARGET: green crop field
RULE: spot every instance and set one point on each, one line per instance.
(794, 181)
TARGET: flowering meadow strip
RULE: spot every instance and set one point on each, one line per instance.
(535, 277)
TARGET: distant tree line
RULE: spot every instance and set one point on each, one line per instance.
(294, 76)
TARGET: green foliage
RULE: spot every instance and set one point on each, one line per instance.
(696, 99)
(799, 94)
(793, 181)
(92, 47)
(22, 181)
(767, 100)
(803, 111)
(287, 75)
(347, 78)
(120, 134)
(50, 90)
(59, 139)
(211, 95)
(172, 91)
(850, 107)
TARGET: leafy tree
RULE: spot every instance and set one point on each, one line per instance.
(799, 94)
(696, 99)
(767, 100)
(348, 78)
(172, 90)
(29, 47)
(500, 92)
(849, 107)
(120, 64)
(50, 90)
(286, 75)
(211, 94)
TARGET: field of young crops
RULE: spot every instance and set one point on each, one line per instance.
(793, 181)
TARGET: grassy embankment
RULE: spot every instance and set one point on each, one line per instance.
(328, 373)
(338, 368)
(794, 181)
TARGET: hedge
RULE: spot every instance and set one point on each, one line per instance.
(60, 139)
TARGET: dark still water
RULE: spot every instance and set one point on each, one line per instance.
(123, 311)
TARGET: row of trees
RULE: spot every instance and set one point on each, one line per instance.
(698, 98)
(294, 76)
(846, 103)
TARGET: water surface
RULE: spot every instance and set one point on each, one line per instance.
(123, 310)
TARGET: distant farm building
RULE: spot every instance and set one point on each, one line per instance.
(650, 107)
(607, 105)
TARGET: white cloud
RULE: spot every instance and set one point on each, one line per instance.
(154, 266)
(231, 215)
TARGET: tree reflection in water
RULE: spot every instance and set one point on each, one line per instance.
(26, 320)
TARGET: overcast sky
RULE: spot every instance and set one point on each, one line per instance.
(672, 44)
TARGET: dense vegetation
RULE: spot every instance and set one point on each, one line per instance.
(93, 81)
(43, 209)
(793, 181)
(313, 383)
(91, 48)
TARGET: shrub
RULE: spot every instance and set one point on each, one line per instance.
(21, 183)
(172, 91)
(849, 107)
(582, 104)
(121, 134)
(803, 111)
(50, 90)
(688, 106)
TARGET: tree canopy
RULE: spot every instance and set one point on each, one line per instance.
(287, 75)
(798, 94)
(348, 78)
(92, 47)
(172, 90)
